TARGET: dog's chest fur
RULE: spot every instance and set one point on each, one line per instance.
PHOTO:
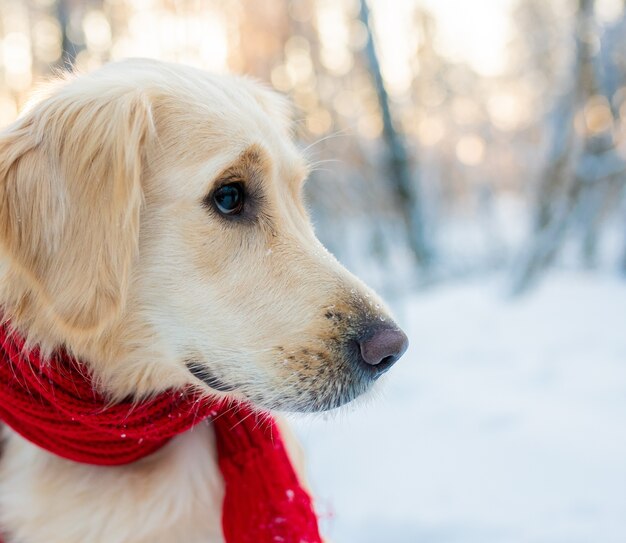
(173, 495)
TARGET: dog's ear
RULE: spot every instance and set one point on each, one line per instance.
(70, 197)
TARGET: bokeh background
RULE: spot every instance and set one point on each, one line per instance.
(469, 161)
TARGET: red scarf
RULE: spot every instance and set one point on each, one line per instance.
(54, 405)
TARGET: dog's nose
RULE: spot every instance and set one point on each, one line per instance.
(382, 348)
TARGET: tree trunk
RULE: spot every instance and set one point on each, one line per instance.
(564, 182)
(406, 187)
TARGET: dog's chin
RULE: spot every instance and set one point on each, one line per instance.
(306, 394)
(310, 402)
(304, 401)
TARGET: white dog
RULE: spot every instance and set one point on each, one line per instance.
(151, 222)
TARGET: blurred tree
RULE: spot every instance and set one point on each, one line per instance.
(406, 186)
(581, 159)
(437, 151)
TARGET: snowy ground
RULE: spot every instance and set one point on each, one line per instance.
(505, 422)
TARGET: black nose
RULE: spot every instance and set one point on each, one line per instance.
(383, 347)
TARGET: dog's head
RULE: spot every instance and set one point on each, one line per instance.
(151, 220)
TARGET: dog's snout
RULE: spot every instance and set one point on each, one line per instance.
(382, 347)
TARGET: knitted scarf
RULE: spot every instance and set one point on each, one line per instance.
(55, 406)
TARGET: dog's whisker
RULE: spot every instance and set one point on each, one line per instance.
(251, 414)
(325, 161)
(337, 134)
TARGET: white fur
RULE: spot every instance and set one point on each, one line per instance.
(107, 249)
(171, 496)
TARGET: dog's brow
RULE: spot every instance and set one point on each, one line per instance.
(255, 159)
(251, 159)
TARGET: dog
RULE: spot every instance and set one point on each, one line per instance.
(152, 224)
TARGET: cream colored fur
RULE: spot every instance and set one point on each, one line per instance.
(108, 250)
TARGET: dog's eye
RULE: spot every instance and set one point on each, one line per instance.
(229, 199)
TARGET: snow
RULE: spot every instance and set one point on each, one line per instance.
(505, 422)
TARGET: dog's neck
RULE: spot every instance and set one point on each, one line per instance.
(53, 404)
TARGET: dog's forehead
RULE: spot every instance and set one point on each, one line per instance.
(221, 105)
(215, 123)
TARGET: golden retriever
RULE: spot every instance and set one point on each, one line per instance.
(151, 222)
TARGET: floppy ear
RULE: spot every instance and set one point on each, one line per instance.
(70, 196)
